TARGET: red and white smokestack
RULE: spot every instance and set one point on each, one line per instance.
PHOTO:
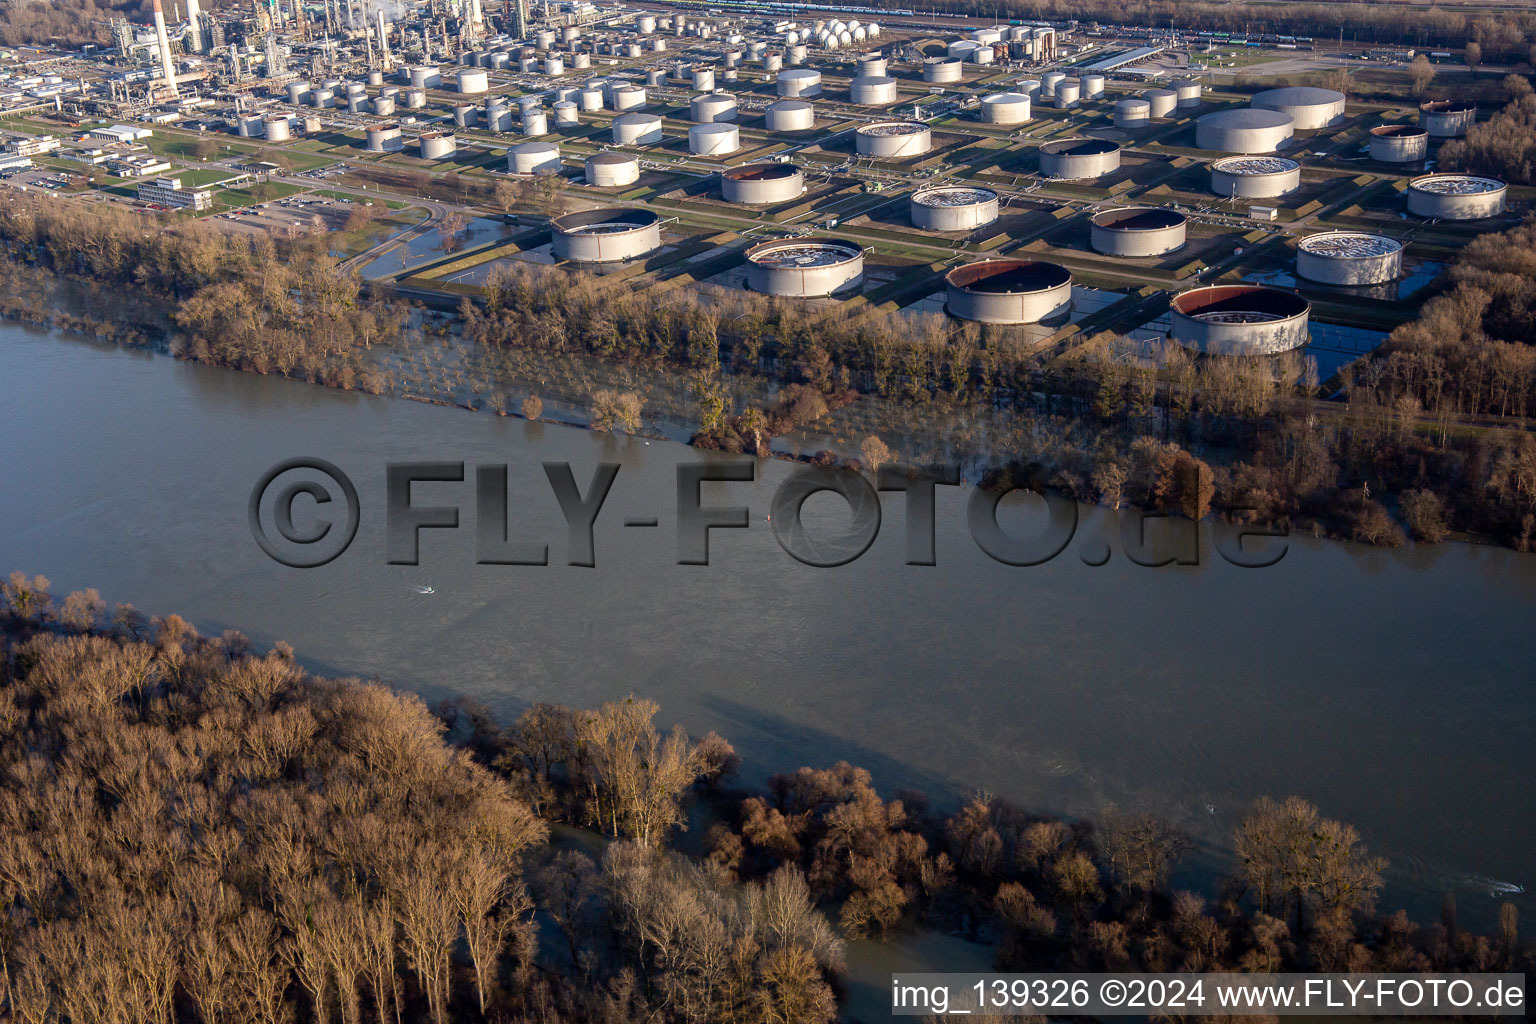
(167, 66)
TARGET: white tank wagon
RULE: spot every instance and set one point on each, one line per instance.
(870, 92)
(1240, 320)
(277, 128)
(474, 81)
(1349, 258)
(1078, 159)
(804, 269)
(872, 65)
(942, 69)
(1244, 131)
(799, 82)
(606, 236)
(1255, 177)
(1188, 92)
(713, 139)
(1399, 144)
(953, 208)
(789, 116)
(1138, 231)
(1008, 291)
(1456, 197)
(1005, 108)
(1132, 114)
(1068, 92)
(713, 107)
(385, 138)
(1309, 108)
(1447, 119)
(438, 145)
(534, 158)
(611, 170)
(1162, 102)
(637, 129)
(893, 140)
(1093, 86)
(762, 184)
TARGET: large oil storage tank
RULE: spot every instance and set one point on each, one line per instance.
(1240, 320)
(1456, 197)
(1254, 177)
(415, 99)
(1308, 107)
(1399, 144)
(277, 128)
(872, 65)
(1244, 131)
(1161, 101)
(250, 126)
(1132, 113)
(1005, 108)
(1068, 92)
(942, 69)
(554, 66)
(789, 116)
(1008, 291)
(534, 158)
(473, 81)
(703, 79)
(610, 170)
(438, 145)
(713, 139)
(953, 208)
(566, 114)
(1093, 86)
(773, 62)
(383, 106)
(385, 138)
(637, 129)
(1349, 258)
(465, 115)
(799, 82)
(715, 106)
(1188, 91)
(1077, 159)
(1446, 119)
(628, 97)
(297, 91)
(1137, 231)
(590, 99)
(605, 236)
(893, 140)
(807, 268)
(535, 122)
(646, 24)
(762, 184)
(1030, 87)
(872, 91)
(426, 77)
(1049, 81)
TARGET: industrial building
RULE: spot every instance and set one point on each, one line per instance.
(169, 192)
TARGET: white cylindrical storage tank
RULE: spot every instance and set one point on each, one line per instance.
(544, 38)
(983, 55)
(554, 66)
(375, 78)
(297, 91)
(356, 102)
(581, 61)
(789, 116)
(311, 125)
(1005, 108)
(655, 78)
(703, 79)
(1255, 177)
(1399, 144)
(713, 139)
(1078, 159)
(1068, 92)
(1244, 131)
(1349, 258)
(390, 92)
(464, 115)
(383, 106)
(474, 81)
(799, 82)
(629, 97)
(1188, 92)
(535, 122)
(1008, 291)
(773, 61)
(1447, 119)
(250, 126)
(385, 138)
(426, 77)
(646, 24)
(1456, 197)
(566, 94)
(569, 34)
(961, 49)
(590, 99)
(611, 170)
(605, 236)
(1049, 81)
(796, 53)
(732, 58)
(1132, 113)
(806, 268)
(952, 208)
(534, 158)
(872, 91)
(415, 99)
(527, 65)
(1162, 101)
(987, 35)
(716, 106)
(942, 69)
(323, 98)
(762, 184)
(566, 113)
(1240, 320)
(498, 118)
(1029, 87)
(637, 129)
(1093, 86)
(1137, 231)
(1308, 108)
(498, 61)
(872, 65)
(893, 140)
(438, 145)
(277, 129)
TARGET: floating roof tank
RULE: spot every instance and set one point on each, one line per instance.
(1137, 231)
(385, 138)
(605, 236)
(1399, 144)
(1078, 159)
(1240, 319)
(1255, 177)
(893, 139)
(804, 268)
(953, 208)
(762, 184)
(438, 145)
(1008, 291)
(1456, 197)
(1445, 119)
(1349, 258)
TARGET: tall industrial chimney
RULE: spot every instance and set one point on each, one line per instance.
(193, 13)
(384, 39)
(167, 67)
(476, 19)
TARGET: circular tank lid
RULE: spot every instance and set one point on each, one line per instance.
(1455, 184)
(893, 128)
(1255, 165)
(1138, 218)
(761, 172)
(793, 255)
(1239, 304)
(599, 222)
(1349, 245)
(954, 195)
(1008, 277)
(1078, 147)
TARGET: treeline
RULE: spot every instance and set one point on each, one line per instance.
(194, 832)
(74, 22)
(1504, 146)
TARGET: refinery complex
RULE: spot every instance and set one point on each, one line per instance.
(1056, 182)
